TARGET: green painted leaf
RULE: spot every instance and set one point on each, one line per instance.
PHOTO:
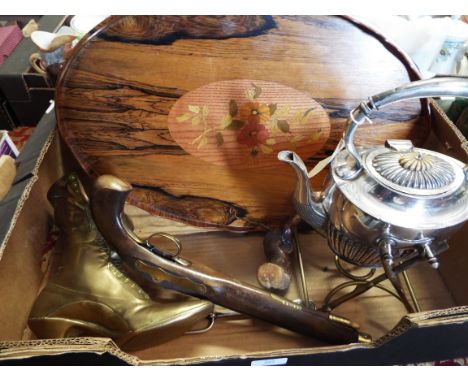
(297, 138)
(194, 109)
(266, 149)
(315, 136)
(272, 107)
(308, 111)
(283, 126)
(297, 118)
(225, 121)
(183, 117)
(256, 91)
(197, 139)
(283, 111)
(250, 93)
(233, 109)
(219, 139)
(236, 124)
(205, 111)
(306, 116)
(202, 142)
(196, 120)
(273, 126)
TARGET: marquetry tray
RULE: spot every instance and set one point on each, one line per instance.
(192, 110)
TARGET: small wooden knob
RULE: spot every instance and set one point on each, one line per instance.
(275, 274)
(272, 276)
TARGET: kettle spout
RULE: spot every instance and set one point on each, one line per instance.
(304, 193)
(308, 204)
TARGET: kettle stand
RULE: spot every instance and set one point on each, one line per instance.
(361, 283)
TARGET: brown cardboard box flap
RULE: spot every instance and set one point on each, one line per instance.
(20, 194)
(52, 347)
(449, 135)
(15, 350)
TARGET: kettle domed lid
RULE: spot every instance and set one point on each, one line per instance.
(406, 186)
(413, 171)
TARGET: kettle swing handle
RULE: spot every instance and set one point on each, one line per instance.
(434, 87)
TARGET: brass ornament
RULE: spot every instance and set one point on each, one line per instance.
(416, 161)
(91, 295)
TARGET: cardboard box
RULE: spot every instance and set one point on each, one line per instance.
(25, 94)
(439, 332)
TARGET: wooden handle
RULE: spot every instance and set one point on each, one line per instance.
(276, 273)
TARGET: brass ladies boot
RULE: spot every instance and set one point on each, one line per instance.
(88, 295)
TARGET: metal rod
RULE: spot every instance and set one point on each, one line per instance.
(365, 286)
(348, 274)
(346, 297)
(305, 293)
(393, 277)
(212, 318)
(411, 291)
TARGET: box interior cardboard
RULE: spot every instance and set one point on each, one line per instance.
(23, 271)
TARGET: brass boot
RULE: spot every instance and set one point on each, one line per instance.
(89, 295)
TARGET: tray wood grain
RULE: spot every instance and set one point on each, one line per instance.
(192, 110)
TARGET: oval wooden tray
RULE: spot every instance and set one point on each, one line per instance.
(192, 110)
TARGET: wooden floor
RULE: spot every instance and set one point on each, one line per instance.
(240, 255)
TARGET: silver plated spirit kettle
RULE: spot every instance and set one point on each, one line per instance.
(383, 203)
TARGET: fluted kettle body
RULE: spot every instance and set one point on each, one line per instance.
(383, 203)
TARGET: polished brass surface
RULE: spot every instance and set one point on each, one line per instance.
(201, 281)
(365, 339)
(90, 295)
(307, 302)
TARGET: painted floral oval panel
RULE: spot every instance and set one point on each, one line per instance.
(244, 123)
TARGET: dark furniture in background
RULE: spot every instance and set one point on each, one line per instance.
(25, 94)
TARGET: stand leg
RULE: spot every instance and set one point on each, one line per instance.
(411, 291)
(305, 294)
(393, 277)
(364, 286)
